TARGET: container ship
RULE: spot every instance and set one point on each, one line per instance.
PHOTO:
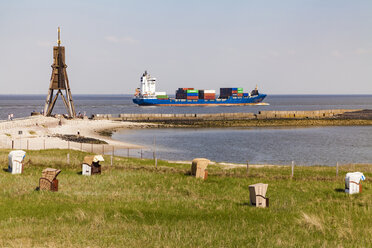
(146, 95)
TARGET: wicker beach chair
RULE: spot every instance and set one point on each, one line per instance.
(199, 168)
(257, 195)
(91, 165)
(48, 179)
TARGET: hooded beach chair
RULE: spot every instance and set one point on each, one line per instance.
(91, 165)
(48, 180)
(15, 161)
(257, 195)
(353, 184)
(199, 168)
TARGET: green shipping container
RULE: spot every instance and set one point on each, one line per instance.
(240, 89)
(162, 96)
(192, 91)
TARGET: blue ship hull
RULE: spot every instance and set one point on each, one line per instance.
(231, 101)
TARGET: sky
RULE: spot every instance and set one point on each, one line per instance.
(285, 47)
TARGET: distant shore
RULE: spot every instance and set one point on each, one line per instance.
(261, 123)
(334, 117)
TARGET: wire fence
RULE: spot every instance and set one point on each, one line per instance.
(104, 149)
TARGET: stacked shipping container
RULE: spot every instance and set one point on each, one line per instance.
(192, 94)
(240, 92)
(187, 93)
(207, 94)
(181, 93)
(227, 92)
(161, 95)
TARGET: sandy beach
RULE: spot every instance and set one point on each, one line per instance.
(40, 132)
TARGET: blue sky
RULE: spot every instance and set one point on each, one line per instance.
(286, 47)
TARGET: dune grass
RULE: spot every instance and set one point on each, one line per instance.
(133, 204)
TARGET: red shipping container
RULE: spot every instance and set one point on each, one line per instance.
(240, 94)
(209, 95)
(192, 98)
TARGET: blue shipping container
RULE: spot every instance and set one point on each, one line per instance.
(192, 94)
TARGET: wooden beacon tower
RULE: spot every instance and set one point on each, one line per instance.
(59, 82)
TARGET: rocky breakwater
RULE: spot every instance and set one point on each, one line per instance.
(316, 114)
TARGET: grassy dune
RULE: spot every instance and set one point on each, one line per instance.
(133, 204)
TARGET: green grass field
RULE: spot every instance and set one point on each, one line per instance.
(133, 204)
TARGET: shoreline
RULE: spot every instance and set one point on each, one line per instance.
(280, 123)
(39, 132)
(333, 117)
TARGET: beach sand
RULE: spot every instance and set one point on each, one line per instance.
(39, 132)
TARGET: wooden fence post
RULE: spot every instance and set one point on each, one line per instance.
(247, 167)
(141, 153)
(337, 169)
(128, 153)
(292, 169)
(155, 160)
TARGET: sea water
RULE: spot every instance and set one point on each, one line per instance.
(305, 146)
(23, 105)
(324, 145)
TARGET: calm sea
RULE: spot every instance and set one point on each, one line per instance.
(23, 105)
(305, 146)
(325, 146)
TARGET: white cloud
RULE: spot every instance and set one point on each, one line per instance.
(115, 39)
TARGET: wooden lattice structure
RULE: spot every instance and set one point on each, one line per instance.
(59, 82)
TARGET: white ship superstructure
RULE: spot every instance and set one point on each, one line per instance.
(147, 87)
